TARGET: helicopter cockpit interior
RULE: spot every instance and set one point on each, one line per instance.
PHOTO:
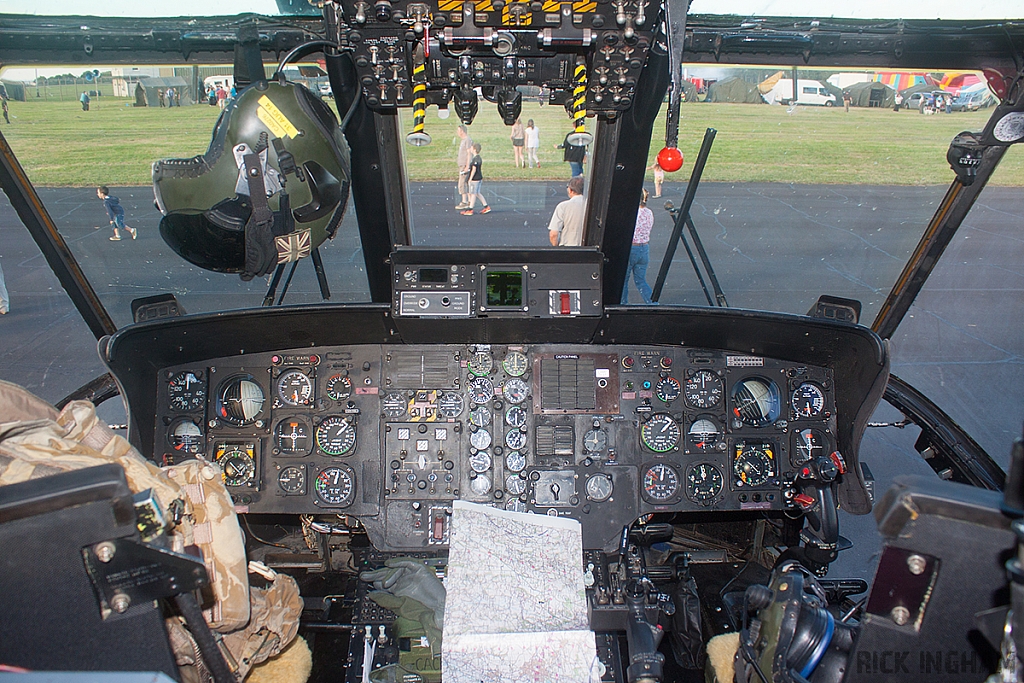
(703, 458)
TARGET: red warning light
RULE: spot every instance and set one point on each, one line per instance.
(670, 159)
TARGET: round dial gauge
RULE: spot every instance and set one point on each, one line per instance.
(480, 461)
(660, 433)
(240, 400)
(481, 390)
(450, 404)
(515, 505)
(660, 483)
(808, 444)
(185, 436)
(599, 487)
(480, 439)
(808, 400)
(293, 436)
(668, 390)
(480, 416)
(339, 387)
(515, 484)
(704, 434)
(595, 440)
(480, 363)
(186, 392)
(704, 483)
(237, 465)
(335, 436)
(756, 401)
(515, 363)
(294, 388)
(335, 486)
(480, 484)
(394, 404)
(703, 389)
(516, 416)
(515, 390)
(292, 479)
(515, 439)
(515, 461)
(1010, 128)
(755, 463)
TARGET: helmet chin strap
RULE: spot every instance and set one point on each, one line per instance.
(260, 254)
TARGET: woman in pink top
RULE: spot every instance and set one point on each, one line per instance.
(640, 254)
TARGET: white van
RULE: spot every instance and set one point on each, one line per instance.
(808, 92)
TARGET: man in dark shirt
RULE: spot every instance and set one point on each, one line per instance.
(574, 154)
(474, 173)
(115, 211)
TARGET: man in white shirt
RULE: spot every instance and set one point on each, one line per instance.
(566, 226)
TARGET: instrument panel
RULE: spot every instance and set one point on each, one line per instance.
(392, 434)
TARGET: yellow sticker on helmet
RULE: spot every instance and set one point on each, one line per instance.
(274, 119)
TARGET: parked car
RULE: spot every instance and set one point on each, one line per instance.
(914, 101)
(973, 101)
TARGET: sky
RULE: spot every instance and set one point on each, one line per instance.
(860, 9)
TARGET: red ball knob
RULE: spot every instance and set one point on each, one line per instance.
(670, 159)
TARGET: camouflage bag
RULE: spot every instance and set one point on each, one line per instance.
(37, 441)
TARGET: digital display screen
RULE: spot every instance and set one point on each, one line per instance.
(505, 288)
(437, 275)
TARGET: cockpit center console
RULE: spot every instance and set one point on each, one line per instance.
(391, 433)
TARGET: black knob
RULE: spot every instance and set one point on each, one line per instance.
(382, 10)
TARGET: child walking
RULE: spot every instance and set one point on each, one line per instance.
(476, 178)
(116, 213)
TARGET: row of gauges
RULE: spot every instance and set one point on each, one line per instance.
(334, 435)
(661, 434)
(239, 399)
(754, 465)
(333, 486)
(481, 363)
(757, 401)
(448, 404)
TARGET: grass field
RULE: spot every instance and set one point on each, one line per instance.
(114, 144)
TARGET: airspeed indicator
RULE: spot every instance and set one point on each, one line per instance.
(660, 433)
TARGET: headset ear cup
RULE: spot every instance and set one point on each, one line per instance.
(325, 190)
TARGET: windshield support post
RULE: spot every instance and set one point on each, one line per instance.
(36, 218)
(943, 226)
(599, 193)
(625, 173)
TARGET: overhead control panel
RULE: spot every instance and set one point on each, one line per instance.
(453, 49)
(392, 435)
(472, 283)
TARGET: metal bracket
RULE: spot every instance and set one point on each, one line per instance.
(126, 573)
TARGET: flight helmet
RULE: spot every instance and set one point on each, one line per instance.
(272, 186)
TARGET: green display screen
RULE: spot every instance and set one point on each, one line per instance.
(504, 288)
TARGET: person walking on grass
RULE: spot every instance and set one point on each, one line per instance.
(116, 213)
(532, 144)
(84, 99)
(518, 138)
(475, 178)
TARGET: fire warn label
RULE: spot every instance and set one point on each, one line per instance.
(274, 119)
